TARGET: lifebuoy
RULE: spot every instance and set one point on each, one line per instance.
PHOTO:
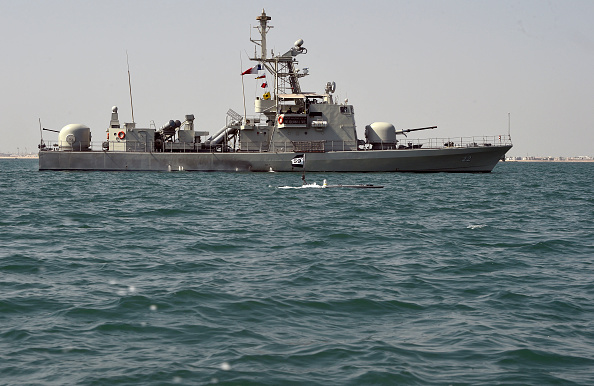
(121, 135)
(280, 119)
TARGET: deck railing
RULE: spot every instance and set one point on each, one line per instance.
(306, 146)
(446, 142)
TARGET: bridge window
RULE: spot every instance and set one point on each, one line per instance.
(346, 109)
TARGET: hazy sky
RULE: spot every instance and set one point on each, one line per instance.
(461, 65)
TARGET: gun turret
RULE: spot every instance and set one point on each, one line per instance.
(404, 131)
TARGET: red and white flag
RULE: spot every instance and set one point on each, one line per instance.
(253, 70)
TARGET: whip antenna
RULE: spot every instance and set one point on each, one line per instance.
(243, 91)
(41, 144)
(509, 126)
(130, 86)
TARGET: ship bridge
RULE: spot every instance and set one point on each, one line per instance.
(294, 110)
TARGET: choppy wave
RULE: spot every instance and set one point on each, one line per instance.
(203, 278)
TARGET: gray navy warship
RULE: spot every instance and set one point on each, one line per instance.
(288, 122)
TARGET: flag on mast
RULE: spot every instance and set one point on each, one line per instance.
(263, 76)
(253, 70)
(264, 85)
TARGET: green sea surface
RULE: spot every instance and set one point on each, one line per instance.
(128, 278)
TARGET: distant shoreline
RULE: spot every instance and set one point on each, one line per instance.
(549, 160)
(34, 156)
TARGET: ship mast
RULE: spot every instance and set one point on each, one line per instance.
(263, 28)
(282, 67)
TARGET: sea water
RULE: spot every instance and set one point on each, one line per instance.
(125, 278)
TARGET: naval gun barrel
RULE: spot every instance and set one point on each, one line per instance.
(55, 131)
(404, 131)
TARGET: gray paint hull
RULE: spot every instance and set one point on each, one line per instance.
(471, 160)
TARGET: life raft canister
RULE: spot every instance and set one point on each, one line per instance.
(280, 119)
(121, 135)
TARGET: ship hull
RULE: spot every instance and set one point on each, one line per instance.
(469, 160)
